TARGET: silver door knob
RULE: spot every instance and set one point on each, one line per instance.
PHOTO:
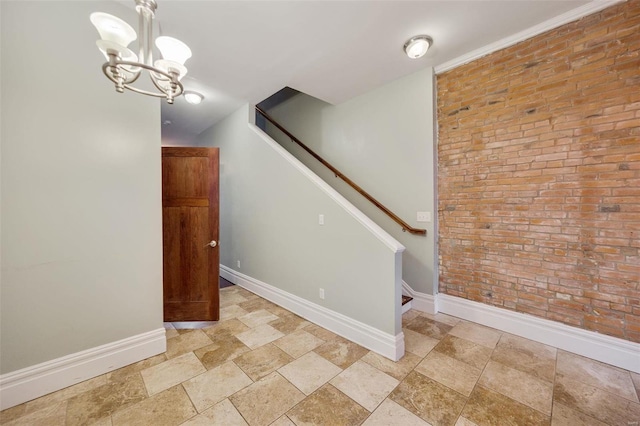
(213, 243)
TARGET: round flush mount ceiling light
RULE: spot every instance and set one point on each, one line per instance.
(417, 46)
(193, 97)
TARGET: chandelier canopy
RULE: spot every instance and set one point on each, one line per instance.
(124, 67)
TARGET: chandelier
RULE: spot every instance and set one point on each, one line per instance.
(124, 67)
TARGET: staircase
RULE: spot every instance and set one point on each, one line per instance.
(261, 120)
(406, 303)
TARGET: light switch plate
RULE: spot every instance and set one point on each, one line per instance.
(424, 217)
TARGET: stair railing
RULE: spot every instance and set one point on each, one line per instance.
(405, 226)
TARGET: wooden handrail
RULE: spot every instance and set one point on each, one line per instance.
(405, 226)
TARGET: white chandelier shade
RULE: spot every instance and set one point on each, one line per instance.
(112, 28)
(124, 67)
(173, 49)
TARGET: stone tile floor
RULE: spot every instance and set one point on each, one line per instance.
(263, 365)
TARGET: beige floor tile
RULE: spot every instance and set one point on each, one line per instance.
(298, 343)
(124, 372)
(391, 414)
(476, 333)
(280, 311)
(434, 329)
(289, 323)
(309, 372)
(463, 421)
(565, 416)
(454, 374)
(231, 298)
(365, 384)
(103, 422)
(635, 378)
(63, 394)
(220, 352)
(341, 352)
(397, 369)
(231, 311)
(10, 414)
(283, 421)
(444, 318)
(236, 289)
(52, 415)
(586, 392)
(486, 407)
(215, 385)
(261, 362)
(418, 344)
(525, 355)
(256, 304)
(594, 373)
(464, 350)
(519, 386)
(223, 413)
(409, 316)
(313, 410)
(186, 342)
(170, 407)
(321, 333)
(170, 373)
(225, 329)
(171, 333)
(428, 399)
(256, 318)
(261, 335)
(102, 401)
(595, 402)
(527, 346)
(266, 400)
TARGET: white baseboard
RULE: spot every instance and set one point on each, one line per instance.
(38, 380)
(611, 350)
(421, 301)
(385, 344)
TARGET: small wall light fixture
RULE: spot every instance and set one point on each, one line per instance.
(417, 46)
(193, 98)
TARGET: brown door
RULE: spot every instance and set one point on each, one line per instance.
(190, 234)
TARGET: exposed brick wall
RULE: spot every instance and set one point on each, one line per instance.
(539, 175)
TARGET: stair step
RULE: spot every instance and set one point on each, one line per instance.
(406, 299)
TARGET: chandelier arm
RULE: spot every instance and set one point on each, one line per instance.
(117, 62)
(108, 65)
(173, 80)
(145, 92)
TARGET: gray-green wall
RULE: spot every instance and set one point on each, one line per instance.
(81, 190)
(269, 211)
(383, 140)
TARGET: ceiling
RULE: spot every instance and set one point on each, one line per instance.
(244, 51)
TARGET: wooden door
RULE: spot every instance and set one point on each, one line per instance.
(190, 234)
